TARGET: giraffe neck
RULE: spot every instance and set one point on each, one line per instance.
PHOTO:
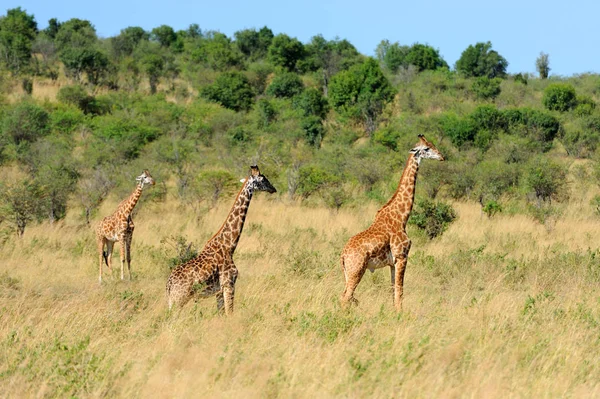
(231, 230)
(127, 206)
(402, 201)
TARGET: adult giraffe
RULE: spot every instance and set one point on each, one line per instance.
(385, 242)
(213, 271)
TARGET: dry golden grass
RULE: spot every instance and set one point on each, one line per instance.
(494, 308)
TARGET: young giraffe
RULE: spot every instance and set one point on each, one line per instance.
(385, 242)
(214, 269)
(119, 227)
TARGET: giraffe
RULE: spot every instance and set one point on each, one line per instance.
(119, 227)
(385, 242)
(213, 271)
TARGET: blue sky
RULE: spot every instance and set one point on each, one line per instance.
(518, 30)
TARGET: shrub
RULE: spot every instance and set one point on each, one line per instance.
(432, 217)
(481, 60)
(559, 97)
(232, 90)
(388, 137)
(184, 250)
(266, 113)
(312, 103)
(585, 106)
(26, 122)
(313, 130)
(285, 85)
(546, 178)
(312, 179)
(486, 88)
(459, 130)
(488, 117)
(491, 208)
(581, 143)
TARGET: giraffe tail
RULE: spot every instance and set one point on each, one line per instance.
(343, 266)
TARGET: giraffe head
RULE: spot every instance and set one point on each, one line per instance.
(145, 178)
(258, 181)
(426, 149)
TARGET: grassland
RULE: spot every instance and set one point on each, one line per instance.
(502, 307)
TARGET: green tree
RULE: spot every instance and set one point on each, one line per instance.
(252, 43)
(559, 97)
(51, 164)
(285, 51)
(17, 33)
(126, 42)
(424, 57)
(20, 203)
(480, 60)
(542, 65)
(286, 85)
(220, 53)
(214, 182)
(75, 33)
(93, 63)
(154, 66)
(329, 57)
(361, 93)
(232, 90)
(164, 35)
(391, 55)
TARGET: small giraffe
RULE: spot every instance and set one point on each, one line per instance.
(213, 271)
(385, 242)
(119, 227)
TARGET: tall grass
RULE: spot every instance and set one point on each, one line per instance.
(501, 307)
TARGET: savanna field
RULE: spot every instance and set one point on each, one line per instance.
(502, 288)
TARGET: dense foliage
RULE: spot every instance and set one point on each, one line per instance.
(330, 125)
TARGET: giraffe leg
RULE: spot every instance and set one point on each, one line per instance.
(227, 281)
(400, 248)
(128, 254)
(354, 269)
(100, 241)
(123, 245)
(393, 276)
(220, 302)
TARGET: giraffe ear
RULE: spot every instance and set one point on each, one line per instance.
(242, 180)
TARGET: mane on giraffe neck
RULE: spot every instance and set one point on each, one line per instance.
(406, 187)
(231, 229)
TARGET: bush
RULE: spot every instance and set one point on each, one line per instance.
(581, 143)
(459, 130)
(585, 106)
(480, 60)
(232, 90)
(537, 125)
(387, 137)
(491, 208)
(559, 97)
(486, 88)
(266, 113)
(432, 217)
(488, 117)
(313, 130)
(546, 178)
(286, 85)
(312, 103)
(26, 122)
(313, 178)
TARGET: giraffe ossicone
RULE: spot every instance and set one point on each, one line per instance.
(385, 242)
(213, 271)
(119, 227)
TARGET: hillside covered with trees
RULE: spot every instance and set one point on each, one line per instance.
(80, 115)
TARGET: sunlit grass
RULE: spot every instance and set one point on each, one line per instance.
(494, 308)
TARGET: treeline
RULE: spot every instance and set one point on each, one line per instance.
(332, 126)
